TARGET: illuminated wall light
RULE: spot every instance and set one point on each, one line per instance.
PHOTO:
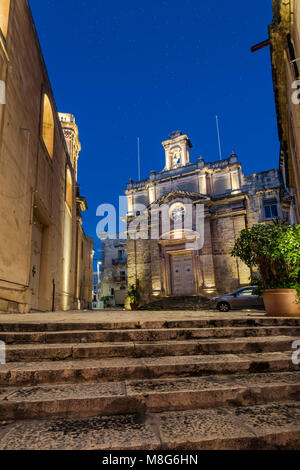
(156, 293)
(210, 284)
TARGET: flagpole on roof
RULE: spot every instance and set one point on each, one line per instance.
(219, 139)
(139, 159)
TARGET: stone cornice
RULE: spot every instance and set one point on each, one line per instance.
(228, 214)
(81, 203)
(228, 198)
(176, 140)
(183, 172)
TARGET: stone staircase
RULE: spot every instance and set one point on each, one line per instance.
(195, 302)
(181, 385)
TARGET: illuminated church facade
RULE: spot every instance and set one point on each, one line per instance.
(175, 263)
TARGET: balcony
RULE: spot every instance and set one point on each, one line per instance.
(119, 280)
(119, 261)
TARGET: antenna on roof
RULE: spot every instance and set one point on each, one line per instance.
(139, 159)
(219, 140)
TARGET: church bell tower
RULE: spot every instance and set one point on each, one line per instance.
(177, 149)
(71, 134)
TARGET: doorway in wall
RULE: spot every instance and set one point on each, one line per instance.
(35, 263)
(182, 273)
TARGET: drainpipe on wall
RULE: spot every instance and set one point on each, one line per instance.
(53, 295)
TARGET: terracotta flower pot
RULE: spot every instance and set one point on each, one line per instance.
(134, 306)
(281, 303)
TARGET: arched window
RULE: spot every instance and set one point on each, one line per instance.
(48, 125)
(4, 14)
(69, 188)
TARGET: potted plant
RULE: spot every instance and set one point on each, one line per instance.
(274, 250)
(134, 296)
(106, 300)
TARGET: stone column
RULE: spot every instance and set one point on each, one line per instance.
(229, 272)
(156, 268)
(239, 223)
(206, 258)
(184, 154)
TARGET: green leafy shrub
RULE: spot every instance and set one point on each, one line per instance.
(275, 251)
(134, 293)
(106, 299)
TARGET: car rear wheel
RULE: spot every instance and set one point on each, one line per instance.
(223, 307)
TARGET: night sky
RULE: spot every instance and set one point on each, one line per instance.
(146, 68)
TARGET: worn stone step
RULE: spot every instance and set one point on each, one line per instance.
(155, 324)
(166, 334)
(122, 368)
(79, 400)
(42, 352)
(270, 426)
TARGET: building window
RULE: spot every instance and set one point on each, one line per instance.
(177, 212)
(48, 125)
(292, 55)
(69, 188)
(4, 16)
(122, 276)
(270, 209)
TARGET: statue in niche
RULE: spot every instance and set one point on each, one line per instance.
(177, 159)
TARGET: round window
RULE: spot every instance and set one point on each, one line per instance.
(177, 211)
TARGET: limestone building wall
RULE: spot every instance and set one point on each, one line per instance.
(38, 188)
(114, 271)
(285, 54)
(84, 269)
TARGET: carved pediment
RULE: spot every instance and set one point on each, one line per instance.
(178, 194)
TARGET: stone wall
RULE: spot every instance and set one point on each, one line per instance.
(285, 48)
(112, 266)
(139, 264)
(32, 182)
